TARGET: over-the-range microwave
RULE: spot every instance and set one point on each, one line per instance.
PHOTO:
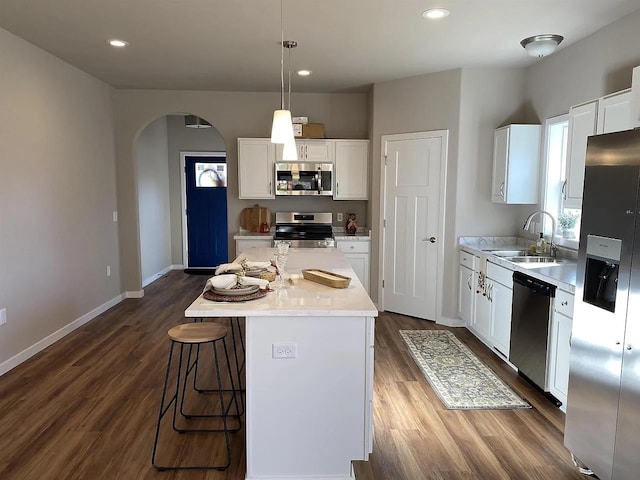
(294, 178)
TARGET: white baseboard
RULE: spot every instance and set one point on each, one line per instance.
(153, 278)
(134, 294)
(37, 347)
(451, 322)
(177, 267)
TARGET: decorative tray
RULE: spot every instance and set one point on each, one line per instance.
(324, 277)
(214, 297)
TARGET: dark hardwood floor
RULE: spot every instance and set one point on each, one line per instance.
(86, 408)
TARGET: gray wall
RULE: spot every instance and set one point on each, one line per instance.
(153, 199)
(182, 139)
(233, 114)
(57, 195)
(423, 103)
(596, 66)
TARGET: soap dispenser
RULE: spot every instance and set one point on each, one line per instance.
(541, 244)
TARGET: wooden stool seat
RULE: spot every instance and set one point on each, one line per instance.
(197, 332)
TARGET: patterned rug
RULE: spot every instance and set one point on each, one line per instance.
(459, 378)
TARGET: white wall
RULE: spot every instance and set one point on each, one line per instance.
(233, 114)
(57, 195)
(424, 103)
(489, 98)
(153, 200)
(597, 65)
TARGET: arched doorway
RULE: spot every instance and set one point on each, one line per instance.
(158, 153)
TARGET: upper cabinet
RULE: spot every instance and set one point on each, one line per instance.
(614, 112)
(516, 164)
(611, 113)
(315, 151)
(582, 124)
(351, 169)
(256, 158)
(635, 98)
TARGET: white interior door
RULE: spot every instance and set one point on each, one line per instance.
(413, 222)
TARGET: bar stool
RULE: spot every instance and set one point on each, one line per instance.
(197, 334)
(240, 359)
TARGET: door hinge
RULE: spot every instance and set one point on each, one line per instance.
(382, 283)
(385, 160)
(384, 223)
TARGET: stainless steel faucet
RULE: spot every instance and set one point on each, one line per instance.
(552, 246)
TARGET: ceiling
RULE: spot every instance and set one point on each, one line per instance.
(348, 44)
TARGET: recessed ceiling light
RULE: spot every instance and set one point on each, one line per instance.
(435, 13)
(117, 43)
(304, 73)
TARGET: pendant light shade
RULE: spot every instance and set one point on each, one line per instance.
(290, 152)
(282, 128)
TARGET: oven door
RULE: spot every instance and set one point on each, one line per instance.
(304, 179)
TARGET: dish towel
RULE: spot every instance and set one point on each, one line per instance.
(237, 266)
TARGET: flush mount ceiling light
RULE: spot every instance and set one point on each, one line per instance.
(192, 121)
(304, 73)
(282, 128)
(435, 13)
(541, 45)
(114, 42)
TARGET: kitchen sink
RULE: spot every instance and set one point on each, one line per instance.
(534, 259)
(509, 253)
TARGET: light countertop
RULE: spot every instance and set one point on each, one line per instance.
(300, 297)
(562, 275)
(339, 235)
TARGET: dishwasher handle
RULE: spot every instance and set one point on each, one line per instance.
(534, 284)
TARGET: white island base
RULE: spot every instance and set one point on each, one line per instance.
(307, 417)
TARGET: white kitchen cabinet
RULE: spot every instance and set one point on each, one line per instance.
(635, 98)
(516, 163)
(246, 244)
(582, 124)
(500, 298)
(466, 295)
(316, 151)
(614, 112)
(351, 169)
(481, 322)
(560, 346)
(256, 157)
(357, 252)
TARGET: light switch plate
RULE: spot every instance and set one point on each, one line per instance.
(284, 350)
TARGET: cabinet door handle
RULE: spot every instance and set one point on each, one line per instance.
(469, 281)
(502, 189)
(270, 191)
(337, 188)
(564, 190)
(564, 303)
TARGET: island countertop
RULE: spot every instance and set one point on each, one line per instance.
(300, 297)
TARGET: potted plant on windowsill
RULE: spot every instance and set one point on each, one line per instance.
(567, 222)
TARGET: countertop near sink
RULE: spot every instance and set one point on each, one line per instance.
(562, 275)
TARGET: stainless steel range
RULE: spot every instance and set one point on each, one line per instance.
(305, 230)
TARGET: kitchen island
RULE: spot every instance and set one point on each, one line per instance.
(311, 415)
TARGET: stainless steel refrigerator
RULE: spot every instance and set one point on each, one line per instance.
(602, 427)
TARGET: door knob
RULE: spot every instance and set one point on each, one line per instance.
(430, 239)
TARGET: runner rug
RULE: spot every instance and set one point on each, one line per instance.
(459, 378)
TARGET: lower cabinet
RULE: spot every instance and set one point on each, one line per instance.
(561, 323)
(466, 295)
(481, 324)
(500, 297)
(357, 252)
(242, 245)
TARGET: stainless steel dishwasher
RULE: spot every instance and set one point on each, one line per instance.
(530, 326)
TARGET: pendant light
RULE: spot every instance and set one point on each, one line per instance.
(282, 128)
(290, 152)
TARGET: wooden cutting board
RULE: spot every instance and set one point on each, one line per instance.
(252, 218)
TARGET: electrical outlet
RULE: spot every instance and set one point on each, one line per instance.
(284, 350)
(3, 316)
(340, 217)
(108, 270)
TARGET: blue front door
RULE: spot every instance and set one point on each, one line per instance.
(206, 192)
